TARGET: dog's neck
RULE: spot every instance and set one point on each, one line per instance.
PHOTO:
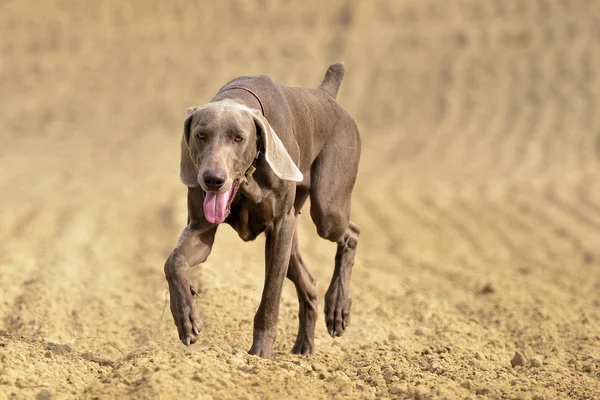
(252, 168)
(262, 107)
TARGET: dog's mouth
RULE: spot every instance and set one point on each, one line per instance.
(217, 206)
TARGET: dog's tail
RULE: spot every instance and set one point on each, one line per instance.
(332, 80)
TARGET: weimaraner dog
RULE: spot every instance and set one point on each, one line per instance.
(250, 158)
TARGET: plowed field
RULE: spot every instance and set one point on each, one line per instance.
(478, 198)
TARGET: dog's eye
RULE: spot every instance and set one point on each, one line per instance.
(238, 138)
(199, 136)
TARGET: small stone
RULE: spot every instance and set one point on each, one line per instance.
(421, 392)
(466, 384)
(518, 359)
(322, 375)
(488, 288)
(362, 373)
(436, 368)
(574, 362)
(479, 355)
(393, 337)
(588, 367)
(48, 354)
(375, 370)
(318, 368)
(388, 376)
(482, 391)
(43, 395)
(536, 362)
(399, 388)
(422, 331)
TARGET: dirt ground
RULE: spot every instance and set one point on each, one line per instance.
(478, 198)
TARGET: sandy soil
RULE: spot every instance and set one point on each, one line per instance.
(478, 198)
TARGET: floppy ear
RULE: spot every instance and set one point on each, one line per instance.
(275, 153)
(190, 110)
(187, 173)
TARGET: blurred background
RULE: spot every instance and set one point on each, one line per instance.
(477, 196)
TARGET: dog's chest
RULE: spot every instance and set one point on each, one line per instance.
(250, 219)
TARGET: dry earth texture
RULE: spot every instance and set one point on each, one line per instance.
(478, 198)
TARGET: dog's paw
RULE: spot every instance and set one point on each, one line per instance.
(262, 345)
(184, 313)
(260, 351)
(303, 346)
(337, 310)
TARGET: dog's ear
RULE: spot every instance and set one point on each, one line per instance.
(187, 173)
(190, 110)
(275, 153)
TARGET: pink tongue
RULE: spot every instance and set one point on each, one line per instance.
(215, 206)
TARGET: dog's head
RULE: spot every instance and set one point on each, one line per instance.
(219, 144)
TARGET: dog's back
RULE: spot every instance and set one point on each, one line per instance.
(301, 116)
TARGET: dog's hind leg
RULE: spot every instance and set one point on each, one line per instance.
(337, 298)
(307, 299)
(333, 174)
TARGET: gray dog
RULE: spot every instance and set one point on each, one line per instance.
(251, 158)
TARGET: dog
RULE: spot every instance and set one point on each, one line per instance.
(250, 158)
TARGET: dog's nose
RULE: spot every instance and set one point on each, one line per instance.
(214, 179)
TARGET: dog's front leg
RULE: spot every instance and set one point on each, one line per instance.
(193, 248)
(277, 257)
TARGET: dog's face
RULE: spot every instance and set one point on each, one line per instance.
(222, 144)
(219, 144)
